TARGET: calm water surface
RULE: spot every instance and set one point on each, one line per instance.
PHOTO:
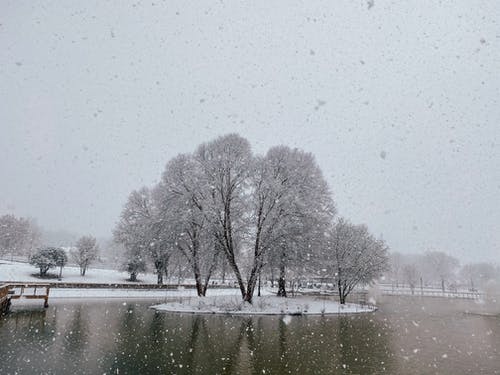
(406, 336)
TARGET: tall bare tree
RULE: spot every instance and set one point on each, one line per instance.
(441, 267)
(225, 165)
(140, 230)
(292, 207)
(85, 253)
(478, 275)
(411, 276)
(182, 199)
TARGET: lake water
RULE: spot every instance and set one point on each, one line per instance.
(405, 336)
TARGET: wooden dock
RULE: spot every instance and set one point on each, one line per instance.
(9, 292)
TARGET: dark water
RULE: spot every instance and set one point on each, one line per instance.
(406, 336)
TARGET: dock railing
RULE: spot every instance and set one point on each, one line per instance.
(30, 291)
(4, 298)
(391, 290)
(12, 291)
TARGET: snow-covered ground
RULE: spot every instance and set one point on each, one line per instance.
(23, 272)
(265, 305)
(19, 272)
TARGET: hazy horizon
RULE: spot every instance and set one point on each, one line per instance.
(398, 102)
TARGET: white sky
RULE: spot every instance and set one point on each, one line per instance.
(399, 103)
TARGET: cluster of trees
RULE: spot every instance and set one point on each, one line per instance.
(18, 236)
(83, 254)
(22, 237)
(223, 208)
(479, 275)
(436, 268)
(49, 257)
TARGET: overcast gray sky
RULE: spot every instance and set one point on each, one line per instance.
(399, 102)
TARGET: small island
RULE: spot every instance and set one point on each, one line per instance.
(265, 305)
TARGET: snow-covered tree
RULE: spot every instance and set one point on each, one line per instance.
(477, 275)
(141, 232)
(18, 236)
(182, 197)
(225, 166)
(411, 275)
(292, 207)
(440, 267)
(47, 258)
(85, 253)
(134, 262)
(354, 257)
(396, 267)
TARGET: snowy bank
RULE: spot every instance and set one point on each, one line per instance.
(17, 272)
(109, 293)
(266, 305)
(24, 272)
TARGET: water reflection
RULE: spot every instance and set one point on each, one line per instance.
(405, 336)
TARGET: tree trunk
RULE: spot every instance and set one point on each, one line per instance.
(248, 297)
(223, 271)
(341, 294)
(210, 271)
(442, 284)
(227, 244)
(252, 280)
(199, 284)
(179, 275)
(258, 292)
(282, 274)
(133, 276)
(234, 266)
(205, 286)
(159, 265)
(199, 289)
(60, 272)
(282, 281)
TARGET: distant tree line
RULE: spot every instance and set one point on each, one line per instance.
(83, 254)
(438, 269)
(222, 209)
(22, 238)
